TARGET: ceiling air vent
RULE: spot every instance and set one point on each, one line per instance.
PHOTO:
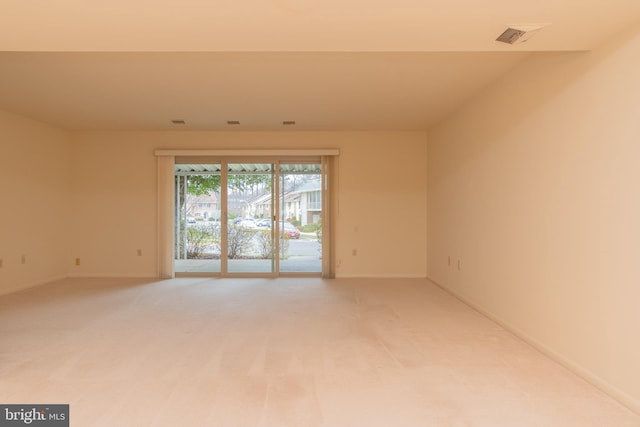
(178, 122)
(288, 122)
(518, 34)
(233, 122)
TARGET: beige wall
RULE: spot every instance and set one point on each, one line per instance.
(92, 196)
(381, 200)
(34, 211)
(534, 187)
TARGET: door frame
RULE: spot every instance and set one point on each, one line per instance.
(166, 200)
(224, 217)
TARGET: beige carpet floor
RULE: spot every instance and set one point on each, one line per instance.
(280, 352)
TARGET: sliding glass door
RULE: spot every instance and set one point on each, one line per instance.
(300, 217)
(197, 218)
(247, 217)
(250, 215)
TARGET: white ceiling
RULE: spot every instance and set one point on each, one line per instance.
(327, 64)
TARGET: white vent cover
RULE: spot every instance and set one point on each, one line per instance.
(516, 34)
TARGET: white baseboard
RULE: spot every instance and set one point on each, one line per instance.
(382, 276)
(110, 276)
(608, 388)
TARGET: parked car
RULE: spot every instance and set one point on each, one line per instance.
(290, 230)
(263, 223)
(247, 223)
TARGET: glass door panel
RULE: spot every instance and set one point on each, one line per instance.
(197, 218)
(300, 219)
(250, 224)
(249, 218)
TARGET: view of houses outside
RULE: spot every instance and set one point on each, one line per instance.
(301, 204)
(250, 245)
(202, 208)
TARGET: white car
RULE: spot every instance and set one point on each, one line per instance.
(247, 223)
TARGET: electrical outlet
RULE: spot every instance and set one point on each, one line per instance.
(23, 259)
(354, 252)
(77, 261)
(139, 252)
